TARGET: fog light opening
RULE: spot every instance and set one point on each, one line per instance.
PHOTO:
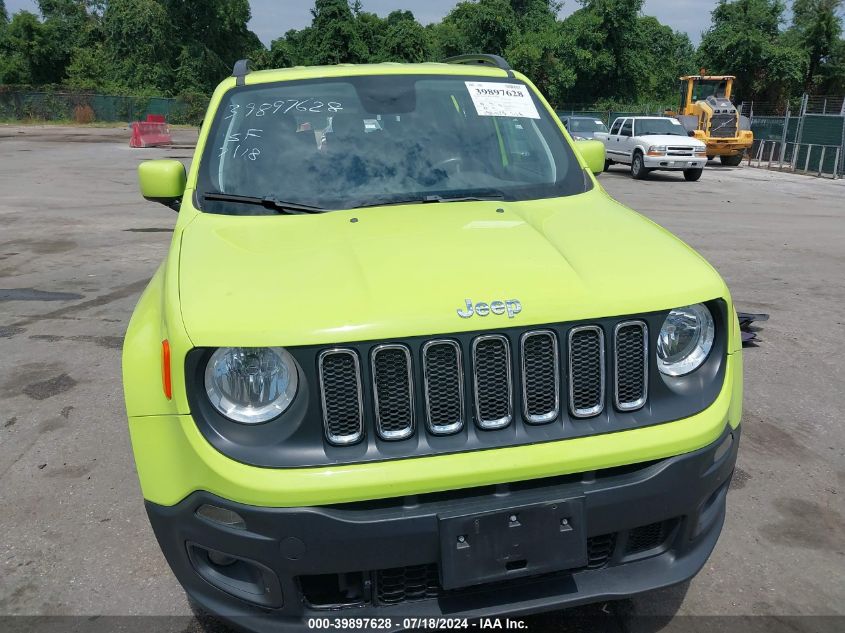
(241, 577)
(220, 559)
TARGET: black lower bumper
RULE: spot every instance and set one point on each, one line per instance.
(646, 526)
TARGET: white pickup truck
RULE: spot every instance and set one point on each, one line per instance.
(647, 143)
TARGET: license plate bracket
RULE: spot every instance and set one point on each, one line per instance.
(512, 543)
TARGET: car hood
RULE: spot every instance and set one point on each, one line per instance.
(388, 272)
(675, 141)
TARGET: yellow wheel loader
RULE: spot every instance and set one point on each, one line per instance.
(709, 115)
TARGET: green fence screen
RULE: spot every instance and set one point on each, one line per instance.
(90, 108)
(811, 141)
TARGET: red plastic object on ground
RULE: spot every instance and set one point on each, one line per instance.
(150, 133)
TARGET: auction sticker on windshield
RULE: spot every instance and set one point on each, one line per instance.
(496, 99)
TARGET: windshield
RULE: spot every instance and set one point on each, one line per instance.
(586, 125)
(358, 141)
(649, 127)
(701, 89)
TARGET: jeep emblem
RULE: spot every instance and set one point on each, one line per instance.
(512, 307)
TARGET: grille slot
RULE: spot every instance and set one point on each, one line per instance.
(443, 376)
(540, 376)
(407, 584)
(586, 371)
(630, 365)
(491, 363)
(393, 392)
(649, 536)
(599, 550)
(340, 388)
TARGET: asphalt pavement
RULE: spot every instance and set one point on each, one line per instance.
(78, 244)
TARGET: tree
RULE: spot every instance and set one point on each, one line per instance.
(137, 45)
(211, 35)
(542, 55)
(334, 34)
(832, 72)
(816, 24)
(371, 30)
(404, 40)
(484, 26)
(664, 56)
(745, 40)
(32, 54)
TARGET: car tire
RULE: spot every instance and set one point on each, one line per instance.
(711, 158)
(693, 174)
(607, 164)
(732, 161)
(638, 168)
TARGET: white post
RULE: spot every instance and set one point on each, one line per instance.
(783, 137)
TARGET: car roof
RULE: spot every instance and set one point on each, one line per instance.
(386, 68)
(645, 117)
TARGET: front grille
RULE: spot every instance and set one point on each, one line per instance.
(407, 584)
(393, 392)
(540, 377)
(723, 125)
(476, 377)
(342, 398)
(630, 365)
(586, 371)
(491, 362)
(443, 375)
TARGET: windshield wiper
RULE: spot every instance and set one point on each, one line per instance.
(494, 195)
(268, 202)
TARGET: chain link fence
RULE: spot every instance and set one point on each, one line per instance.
(806, 137)
(609, 115)
(74, 107)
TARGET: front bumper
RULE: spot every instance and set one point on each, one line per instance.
(729, 147)
(648, 526)
(674, 162)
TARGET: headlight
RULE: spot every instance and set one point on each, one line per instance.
(685, 340)
(660, 149)
(251, 384)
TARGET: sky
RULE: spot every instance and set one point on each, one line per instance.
(271, 18)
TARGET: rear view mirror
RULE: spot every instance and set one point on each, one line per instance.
(163, 181)
(593, 154)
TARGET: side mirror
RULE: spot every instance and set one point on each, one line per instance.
(593, 154)
(163, 181)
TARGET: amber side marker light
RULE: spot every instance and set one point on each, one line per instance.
(165, 370)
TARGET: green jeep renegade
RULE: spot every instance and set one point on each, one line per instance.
(406, 358)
